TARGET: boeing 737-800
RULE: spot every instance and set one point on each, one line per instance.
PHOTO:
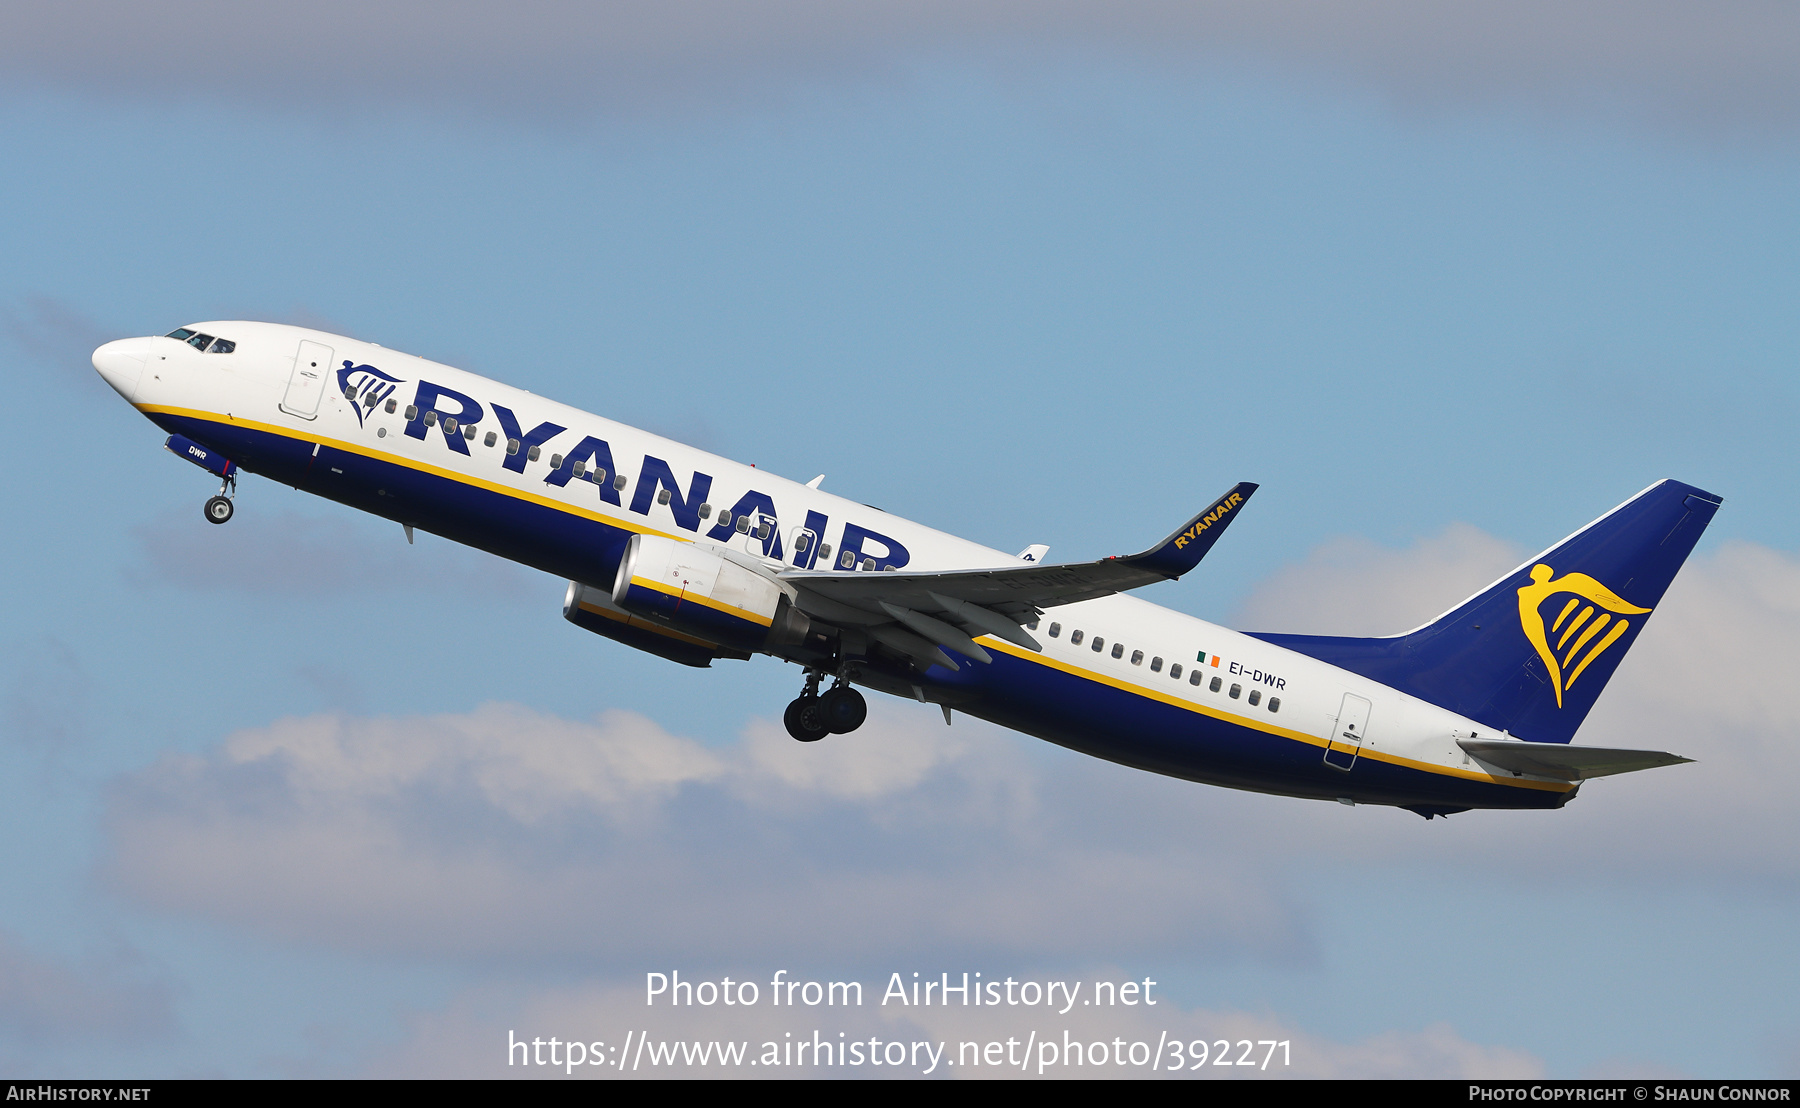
(693, 557)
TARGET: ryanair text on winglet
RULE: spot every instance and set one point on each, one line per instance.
(1208, 520)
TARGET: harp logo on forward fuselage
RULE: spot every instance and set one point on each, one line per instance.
(1582, 635)
(365, 386)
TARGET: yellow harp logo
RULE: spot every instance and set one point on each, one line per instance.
(1578, 629)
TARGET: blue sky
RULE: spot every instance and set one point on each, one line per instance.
(1447, 296)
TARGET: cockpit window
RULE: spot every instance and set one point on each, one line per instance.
(202, 342)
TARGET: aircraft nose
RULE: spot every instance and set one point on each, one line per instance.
(121, 362)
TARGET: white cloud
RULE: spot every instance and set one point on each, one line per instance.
(470, 1039)
(1707, 679)
(1352, 586)
(1732, 62)
(45, 1000)
(507, 835)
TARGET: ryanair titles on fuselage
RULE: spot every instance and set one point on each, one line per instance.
(591, 460)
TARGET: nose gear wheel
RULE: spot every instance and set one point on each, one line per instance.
(219, 508)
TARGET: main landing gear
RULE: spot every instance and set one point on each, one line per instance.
(218, 509)
(839, 711)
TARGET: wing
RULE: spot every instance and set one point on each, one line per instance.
(916, 613)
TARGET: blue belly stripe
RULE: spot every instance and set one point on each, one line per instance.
(1020, 693)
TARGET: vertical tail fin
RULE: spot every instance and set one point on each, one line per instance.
(1530, 653)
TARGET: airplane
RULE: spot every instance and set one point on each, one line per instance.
(696, 558)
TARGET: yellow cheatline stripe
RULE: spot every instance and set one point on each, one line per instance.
(646, 625)
(1261, 725)
(408, 463)
(629, 525)
(691, 598)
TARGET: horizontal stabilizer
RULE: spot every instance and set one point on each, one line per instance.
(1569, 763)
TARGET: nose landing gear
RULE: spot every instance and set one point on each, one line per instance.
(219, 508)
(810, 717)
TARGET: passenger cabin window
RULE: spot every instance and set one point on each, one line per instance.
(222, 346)
(1156, 665)
(1235, 690)
(533, 455)
(1274, 704)
(1175, 671)
(846, 560)
(1196, 678)
(1099, 644)
(1215, 682)
(412, 412)
(1075, 638)
(492, 439)
(706, 510)
(431, 419)
(801, 540)
(1137, 657)
(762, 532)
(599, 474)
(556, 461)
(1118, 650)
(662, 497)
(1055, 630)
(389, 407)
(580, 468)
(868, 565)
(825, 550)
(449, 424)
(743, 525)
(349, 392)
(512, 446)
(1032, 625)
(469, 433)
(620, 482)
(1255, 697)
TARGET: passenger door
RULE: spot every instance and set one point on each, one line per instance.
(1346, 738)
(312, 366)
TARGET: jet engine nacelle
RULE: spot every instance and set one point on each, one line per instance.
(702, 592)
(593, 610)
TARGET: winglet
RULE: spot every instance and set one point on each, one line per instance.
(1183, 550)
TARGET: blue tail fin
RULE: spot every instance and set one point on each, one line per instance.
(1530, 653)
